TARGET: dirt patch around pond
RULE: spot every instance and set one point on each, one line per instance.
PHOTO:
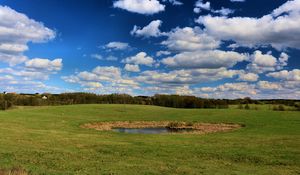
(197, 128)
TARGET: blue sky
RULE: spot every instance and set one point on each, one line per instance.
(207, 48)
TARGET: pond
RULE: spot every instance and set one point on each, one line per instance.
(151, 130)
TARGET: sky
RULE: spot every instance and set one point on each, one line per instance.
(206, 48)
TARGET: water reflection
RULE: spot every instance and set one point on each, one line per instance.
(151, 130)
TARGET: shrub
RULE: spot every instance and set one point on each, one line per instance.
(189, 124)
(174, 125)
(281, 108)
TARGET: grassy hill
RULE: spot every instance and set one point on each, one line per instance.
(49, 140)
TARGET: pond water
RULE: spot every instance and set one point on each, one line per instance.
(151, 130)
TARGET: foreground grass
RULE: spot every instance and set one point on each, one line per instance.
(48, 140)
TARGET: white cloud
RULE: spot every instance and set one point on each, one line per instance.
(140, 59)
(261, 63)
(103, 79)
(223, 11)
(132, 68)
(16, 30)
(174, 2)
(151, 30)
(161, 52)
(265, 85)
(204, 59)
(100, 57)
(179, 77)
(279, 31)
(228, 91)
(248, 77)
(282, 60)
(44, 64)
(111, 58)
(200, 5)
(260, 90)
(116, 45)
(97, 56)
(293, 75)
(28, 74)
(147, 7)
(189, 39)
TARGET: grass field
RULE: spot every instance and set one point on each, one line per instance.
(48, 140)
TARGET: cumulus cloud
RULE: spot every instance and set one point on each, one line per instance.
(44, 64)
(184, 77)
(190, 39)
(28, 73)
(145, 7)
(228, 90)
(261, 63)
(132, 68)
(293, 75)
(204, 59)
(279, 31)
(248, 77)
(103, 79)
(266, 85)
(116, 45)
(161, 52)
(223, 11)
(140, 59)
(27, 86)
(151, 30)
(200, 5)
(16, 30)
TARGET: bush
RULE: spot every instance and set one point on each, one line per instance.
(281, 108)
(174, 125)
(189, 124)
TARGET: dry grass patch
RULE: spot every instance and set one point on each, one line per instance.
(198, 128)
(13, 171)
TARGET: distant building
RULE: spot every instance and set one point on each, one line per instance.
(44, 97)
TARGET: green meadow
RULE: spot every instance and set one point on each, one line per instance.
(49, 140)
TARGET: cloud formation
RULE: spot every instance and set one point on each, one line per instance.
(140, 59)
(151, 30)
(16, 31)
(280, 29)
(145, 7)
(210, 59)
(189, 39)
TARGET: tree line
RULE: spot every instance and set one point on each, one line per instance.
(176, 101)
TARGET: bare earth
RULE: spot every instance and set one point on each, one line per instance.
(199, 128)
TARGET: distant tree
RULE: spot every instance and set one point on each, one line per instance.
(247, 106)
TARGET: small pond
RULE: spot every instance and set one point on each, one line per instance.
(151, 130)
